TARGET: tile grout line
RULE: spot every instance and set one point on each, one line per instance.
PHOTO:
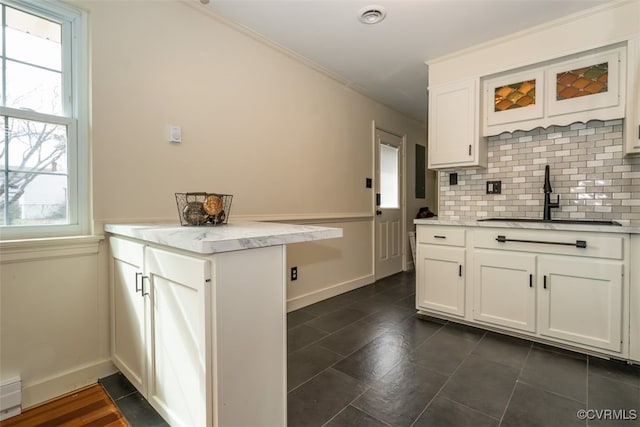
(343, 357)
(513, 390)
(449, 377)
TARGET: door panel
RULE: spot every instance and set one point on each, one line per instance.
(178, 322)
(440, 280)
(128, 332)
(581, 301)
(504, 292)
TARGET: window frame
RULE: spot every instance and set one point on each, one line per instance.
(75, 75)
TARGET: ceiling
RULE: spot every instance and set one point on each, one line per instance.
(387, 60)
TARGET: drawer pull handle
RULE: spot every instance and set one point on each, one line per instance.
(439, 237)
(578, 244)
(142, 286)
(138, 274)
(531, 280)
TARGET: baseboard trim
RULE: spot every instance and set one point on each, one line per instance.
(36, 393)
(328, 292)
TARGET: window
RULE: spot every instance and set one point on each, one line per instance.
(389, 176)
(43, 104)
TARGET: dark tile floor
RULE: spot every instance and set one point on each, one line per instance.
(134, 408)
(365, 358)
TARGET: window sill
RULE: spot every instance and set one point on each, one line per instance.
(54, 247)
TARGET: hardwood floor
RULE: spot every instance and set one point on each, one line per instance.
(87, 407)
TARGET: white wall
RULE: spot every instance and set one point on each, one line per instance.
(287, 141)
(53, 316)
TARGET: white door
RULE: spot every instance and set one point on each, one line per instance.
(178, 374)
(440, 279)
(581, 301)
(388, 204)
(503, 290)
(128, 327)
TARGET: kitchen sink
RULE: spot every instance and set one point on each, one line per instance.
(555, 221)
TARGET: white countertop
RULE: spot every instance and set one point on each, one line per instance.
(625, 229)
(233, 236)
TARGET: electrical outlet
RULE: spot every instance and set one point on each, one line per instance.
(294, 273)
(494, 187)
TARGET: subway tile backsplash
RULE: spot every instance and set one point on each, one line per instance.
(588, 171)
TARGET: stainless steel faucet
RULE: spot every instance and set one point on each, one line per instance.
(548, 204)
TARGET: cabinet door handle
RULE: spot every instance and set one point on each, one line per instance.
(460, 270)
(469, 149)
(142, 286)
(138, 289)
(544, 282)
(531, 280)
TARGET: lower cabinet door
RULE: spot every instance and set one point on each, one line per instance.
(128, 308)
(440, 279)
(504, 293)
(581, 301)
(179, 380)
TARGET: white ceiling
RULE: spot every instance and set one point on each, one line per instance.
(386, 60)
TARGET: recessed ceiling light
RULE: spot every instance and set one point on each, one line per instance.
(372, 14)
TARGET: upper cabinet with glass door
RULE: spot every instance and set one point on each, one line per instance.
(585, 84)
(514, 98)
(579, 88)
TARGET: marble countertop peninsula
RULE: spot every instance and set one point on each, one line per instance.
(233, 236)
(508, 223)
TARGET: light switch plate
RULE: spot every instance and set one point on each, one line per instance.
(175, 134)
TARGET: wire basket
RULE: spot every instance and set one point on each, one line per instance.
(209, 209)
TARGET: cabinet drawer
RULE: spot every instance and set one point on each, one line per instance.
(127, 250)
(596, 245)
(437, 235)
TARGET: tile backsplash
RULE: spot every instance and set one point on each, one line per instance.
(588, 171)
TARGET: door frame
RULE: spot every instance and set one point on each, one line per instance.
(403, 205)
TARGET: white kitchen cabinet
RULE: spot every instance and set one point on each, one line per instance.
(441, 273)
(592, 88)
(158, 324)
(585, 86)
(178, 288)
(129, 321)
(634, 324)
(185, 329)
(581, 301)
(516, 97)
(571, 288)
(454, 133)
(632, 118)
(504, 291)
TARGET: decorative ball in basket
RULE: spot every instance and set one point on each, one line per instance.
(203, 208)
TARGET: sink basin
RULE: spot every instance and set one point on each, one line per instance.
(555, 221)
